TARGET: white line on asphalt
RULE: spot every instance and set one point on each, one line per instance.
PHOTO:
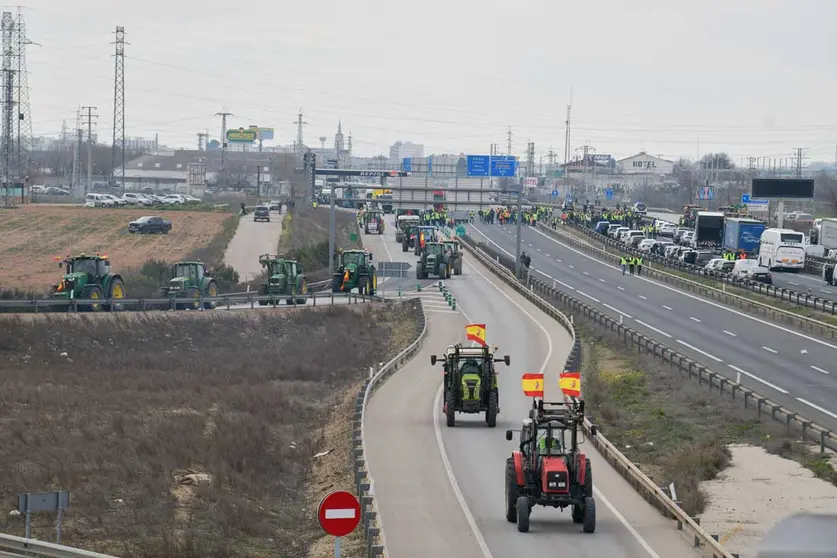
(693, 318)
(620, 288)
(594, 299)
(817, 407)
(440, 311)
(565, 285)
(585, 273)
(558, 260)
(683, 293)
(818, 369)
(769, 350)
(792, 283)
(606, 305)
(602, 280)
(695, 349)
(824, 291)
(731, 334)
(756, 378)
(539, 249)
(572, 267)
(642, 297)
(666, 307)
(634, 533)
(652, 328)
(549, 255)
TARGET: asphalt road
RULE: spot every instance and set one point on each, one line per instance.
(799, 282)
(448, 482)
(790, 367)
(250, 241)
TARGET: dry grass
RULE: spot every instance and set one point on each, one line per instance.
(674, 429)
(305, 237)
(35, 234)
(187, 436)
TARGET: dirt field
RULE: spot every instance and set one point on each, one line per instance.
(33, 235)
(187, 436)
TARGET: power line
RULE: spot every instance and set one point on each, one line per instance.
(118, 107)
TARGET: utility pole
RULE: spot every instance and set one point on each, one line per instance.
(90, 116)
(567, 144)
(118, 109)
(298, 148)
(74, 177)
(7, 27)
(530, 159)
(223, 114)
(799, 157)
(23, 161)
(509, 142)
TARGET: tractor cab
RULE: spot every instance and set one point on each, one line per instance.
(354, 270)
(548, 469)
(190, 281)
(470, 381)
(455, 256)
(89, 278)
(373, 221)
(423, 235)
(285, 278)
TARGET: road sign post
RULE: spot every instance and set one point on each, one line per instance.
(339, 515)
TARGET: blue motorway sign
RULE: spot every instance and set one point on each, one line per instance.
(555, 193)
(609, 193)
(407, 164)
(478, 165)
(745, 198)
(504, 165)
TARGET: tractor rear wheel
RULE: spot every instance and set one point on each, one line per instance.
(491, 412)
(212, 290)
(450, 408)
(92, 292)
(523, 514)
(191, 300)
(404, 246)
(589, 515)
(443, 271)
(117, 292)
(511, 491)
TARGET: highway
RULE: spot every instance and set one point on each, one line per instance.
(798, 282)
(440, 490)
(788, 366)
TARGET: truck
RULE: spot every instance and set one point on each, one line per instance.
(709, 229)
(827, 237)
(743, 234)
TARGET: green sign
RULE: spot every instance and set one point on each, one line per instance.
(353, 237)
(241, 135)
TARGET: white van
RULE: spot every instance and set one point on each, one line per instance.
(98, 200)
(782, 249)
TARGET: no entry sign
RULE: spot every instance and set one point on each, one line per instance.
(339, 513)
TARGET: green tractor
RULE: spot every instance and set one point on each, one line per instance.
(434, 261)
(431, 234)
(285, 278)
(470, 382)
(89, 278)
(456, 256)
(354, 271)
(190, 281)
(373, 222)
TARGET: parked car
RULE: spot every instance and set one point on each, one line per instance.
(56, 191)
(118, 201)
(261, 213)
(150, 225)
(134, 198)
(98, 200)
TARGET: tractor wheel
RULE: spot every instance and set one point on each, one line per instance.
(373, 289)
(264, 302)
(458, 269)
(491, 413)
(443, 271)
(303, 290)
(449, 270)
(191, 300)
(450, 408)
(511, 492)
(589, 515)
(523, 514)
(211, 290)
(578, 513)
(404, 247)
(117, 292)
(92, 292)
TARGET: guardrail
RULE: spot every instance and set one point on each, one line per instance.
(227, 301)
(785, 295)
(809, 325)
(14, 547)
(502, 266)
(364, 485)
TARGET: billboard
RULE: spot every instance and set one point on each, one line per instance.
(263, 133)
(783, 188)
(242, 136)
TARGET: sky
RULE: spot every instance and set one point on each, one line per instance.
(676, 79)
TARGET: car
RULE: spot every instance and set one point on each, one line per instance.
(134, 198)
(55, 191)
(760, 274)
(668, 229)
(261, 213)
(149, 225)
(741, 268)
(612, 229)
(617, 232)
(660, 247)
(98, 200)
(118, 201)
(640, 208)
(632, 238)
(275, 206)
(646, 245)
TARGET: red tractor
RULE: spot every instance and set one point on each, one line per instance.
(548, 469)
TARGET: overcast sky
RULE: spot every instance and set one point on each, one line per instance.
(675, 78)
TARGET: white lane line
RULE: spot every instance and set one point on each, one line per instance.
(666, 307)
(756, 378)
(602, 280)
(818, 369)
(769, 350)
(792, 283)
(652, 328)
(572, 267)
(565, 285)
(594, 299)
(549, 255)
(539, 249)
(620, 288)
(558, 260)
(693, 318)
(695, 349)
(817, 407)
(824, 291)
(585, 273)
(688, 295)
(429, 311)
(606, 305)
(642, 297)
(634, 533)
(731, 334)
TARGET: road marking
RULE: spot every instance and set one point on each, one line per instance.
(731, 334)
(666, 307)
(572, 267)
(602, 280)
(693, 297)
(693, 318)
(792, 283)
(652, 328)
(620, 288)
(803, 352)
(564, 284)
(549, 255)
(642, 297)
(558, 260)
(634, 533)
(769, 350)
(824, 291)
(818, 369)
(594, 299)
(585, 273)
(817, 407)
(348, 513)
(756, 378)
(606, 305)
(695, 349)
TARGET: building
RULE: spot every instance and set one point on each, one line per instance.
(643, 163)
(405, 150)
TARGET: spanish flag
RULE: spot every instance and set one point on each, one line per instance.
(476, 333)
(570, 383)
(532, 385)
